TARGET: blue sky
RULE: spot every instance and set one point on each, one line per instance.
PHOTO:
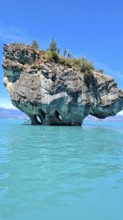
(93, 29)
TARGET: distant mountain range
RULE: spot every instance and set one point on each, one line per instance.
(11, 113)
(111, 118)
(17, 114)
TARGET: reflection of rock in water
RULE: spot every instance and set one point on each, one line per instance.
(53, 93)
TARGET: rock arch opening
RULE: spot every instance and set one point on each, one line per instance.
(58, 116)
(38, 119)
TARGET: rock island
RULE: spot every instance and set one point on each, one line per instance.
(57, 90)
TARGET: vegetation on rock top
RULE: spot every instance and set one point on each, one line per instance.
(54, 54)
(80, 65)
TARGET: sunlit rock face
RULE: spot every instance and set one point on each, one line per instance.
(54, 93)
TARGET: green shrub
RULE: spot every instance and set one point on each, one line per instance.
(53, 56)
(86, 65)
(76, 61)
(68, 62)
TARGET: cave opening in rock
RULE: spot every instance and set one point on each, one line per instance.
(38, 119)
(58, 116)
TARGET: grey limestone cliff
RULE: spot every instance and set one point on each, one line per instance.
(55, 93)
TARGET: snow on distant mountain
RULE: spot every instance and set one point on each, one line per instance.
(11, 113)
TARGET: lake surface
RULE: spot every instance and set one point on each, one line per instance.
(61, 173)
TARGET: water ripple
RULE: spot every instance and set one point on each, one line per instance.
(42, 167)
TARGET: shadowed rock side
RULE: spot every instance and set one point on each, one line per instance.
(53, 93)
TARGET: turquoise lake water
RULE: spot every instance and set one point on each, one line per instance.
(61, 173)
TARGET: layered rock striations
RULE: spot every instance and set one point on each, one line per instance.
(55, 93)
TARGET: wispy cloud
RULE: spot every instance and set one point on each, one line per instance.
(12, 33)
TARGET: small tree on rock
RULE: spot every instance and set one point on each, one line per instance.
(58, 50)
(53, 46)
(69, 55)
(35, 45)
(65, 52)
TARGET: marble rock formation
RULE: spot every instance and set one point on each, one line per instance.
(54, 93)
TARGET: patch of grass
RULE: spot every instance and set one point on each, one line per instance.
(86, 65)
(68, 62)
(53, 56)
(76, 61)
(65, 61)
